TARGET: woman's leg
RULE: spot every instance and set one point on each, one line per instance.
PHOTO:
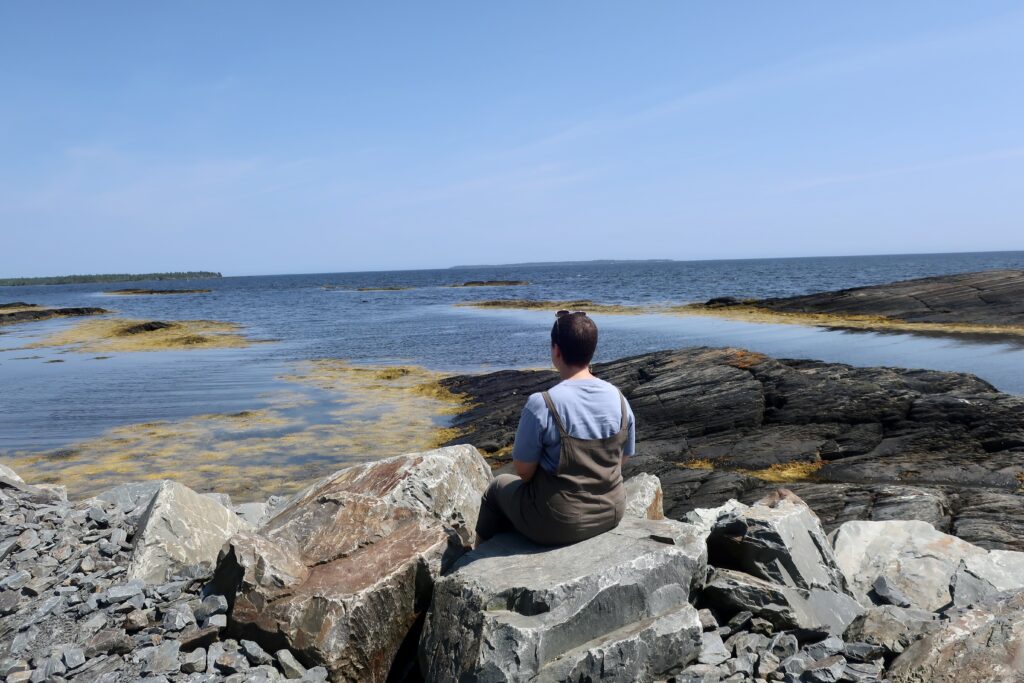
(492, 519)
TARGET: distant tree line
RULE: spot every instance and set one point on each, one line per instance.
(110, 277)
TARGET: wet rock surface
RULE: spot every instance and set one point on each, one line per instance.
(854, 443)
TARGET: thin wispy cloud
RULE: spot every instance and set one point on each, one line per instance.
(907, 169)
(806, 68)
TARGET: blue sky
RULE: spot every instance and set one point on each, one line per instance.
(255, 137)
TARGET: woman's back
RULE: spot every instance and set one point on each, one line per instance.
(588, 409)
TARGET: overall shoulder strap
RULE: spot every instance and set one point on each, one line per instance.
(624, 423)
(554, 413)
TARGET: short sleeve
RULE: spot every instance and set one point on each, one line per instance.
(630, 447)
(529, 445)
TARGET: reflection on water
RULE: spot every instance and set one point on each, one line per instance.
(326, 413)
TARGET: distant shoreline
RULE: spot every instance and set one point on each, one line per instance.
(594, 262)
(111, 277)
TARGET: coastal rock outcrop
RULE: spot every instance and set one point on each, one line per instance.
(649, 600)
(991, 297)
(514, 611)
(854, 443)
(341, 572)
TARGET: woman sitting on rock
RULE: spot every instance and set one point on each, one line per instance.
(569, 449)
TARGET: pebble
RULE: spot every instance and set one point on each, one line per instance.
(16, 580)
(136, 621)
(289, 665)
(256, 654)
(194, 661)
(827, 670)
(73, 657)
(163, 658)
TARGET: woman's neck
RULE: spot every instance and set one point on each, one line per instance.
(571, 373)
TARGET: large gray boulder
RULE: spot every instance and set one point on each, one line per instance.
(983, 645)
(919, 561)
(774, 559)
(778, 539)
(342, 571)
(180, 528)
(613, 608)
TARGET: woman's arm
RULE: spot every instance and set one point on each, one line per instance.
(525, 470)
(528, 445)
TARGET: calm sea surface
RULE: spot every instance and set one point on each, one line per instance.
(48, 405)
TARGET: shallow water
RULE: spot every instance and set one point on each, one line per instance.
(46, 405)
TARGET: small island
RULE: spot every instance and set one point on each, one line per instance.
(21, 312)
(143, 292)
(491, 283)
(108, 277)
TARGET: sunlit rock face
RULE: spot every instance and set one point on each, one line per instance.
(612, 608)
(180, 528)
(342, 572)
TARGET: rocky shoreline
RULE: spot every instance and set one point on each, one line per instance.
(368, 575)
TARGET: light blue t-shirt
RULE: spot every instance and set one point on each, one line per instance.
(589, 408)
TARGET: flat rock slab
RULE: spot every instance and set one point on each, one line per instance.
(180, 528)
(919, 561)
(342, 571)
(614, 607)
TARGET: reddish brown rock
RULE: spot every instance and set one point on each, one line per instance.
(342, 573)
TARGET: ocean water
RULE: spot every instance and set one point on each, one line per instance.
(49, 405)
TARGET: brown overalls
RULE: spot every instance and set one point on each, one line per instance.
(583, 499)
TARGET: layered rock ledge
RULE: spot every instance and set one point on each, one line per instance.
(961, 302)
(855, 443)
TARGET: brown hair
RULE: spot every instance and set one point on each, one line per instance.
(576, 336)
